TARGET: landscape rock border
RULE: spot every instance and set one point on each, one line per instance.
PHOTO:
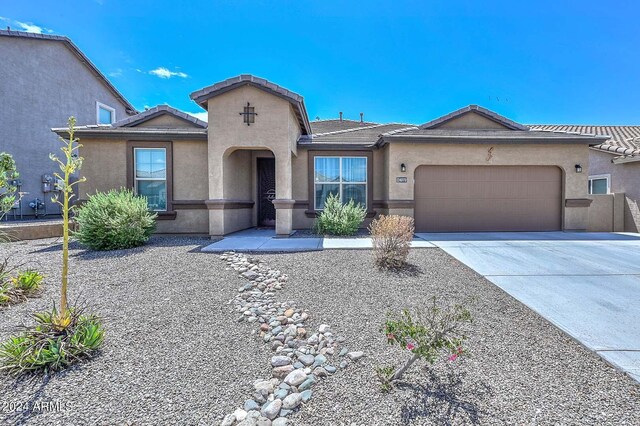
(301, 359)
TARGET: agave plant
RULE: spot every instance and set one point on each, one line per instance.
(48, 347)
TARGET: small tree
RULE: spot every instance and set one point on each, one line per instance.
(425, 334)
(8, 174)
(70, 163)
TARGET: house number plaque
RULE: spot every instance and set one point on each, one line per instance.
(401, 179)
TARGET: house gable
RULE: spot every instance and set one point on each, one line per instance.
(473, 117)
(472, 121)
(162, 117)
(167, 121)
(203, 96)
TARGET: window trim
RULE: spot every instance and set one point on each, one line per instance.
(169, 213)
(108, 108)
(136, 179)
(312, 154)
(607, 177)
(340, 182)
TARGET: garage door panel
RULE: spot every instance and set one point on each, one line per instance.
(489, 198)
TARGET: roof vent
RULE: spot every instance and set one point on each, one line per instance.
(340, 115)
(362, 117)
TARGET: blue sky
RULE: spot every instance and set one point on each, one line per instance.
(396, 61)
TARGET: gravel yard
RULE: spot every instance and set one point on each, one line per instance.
(173, 351)
(175, 354)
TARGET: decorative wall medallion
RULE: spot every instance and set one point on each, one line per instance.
(249, 114)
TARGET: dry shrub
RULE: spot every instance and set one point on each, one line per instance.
(391, 236)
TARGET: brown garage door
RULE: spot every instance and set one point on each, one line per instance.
(487, 198)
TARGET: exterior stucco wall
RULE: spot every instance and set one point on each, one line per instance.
(166, 121)
(43, 83)
(105, 168)
(471, 121)
(625, 178)
(606, 213)
(273, 130)
(563, 156)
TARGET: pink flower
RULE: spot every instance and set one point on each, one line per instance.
(453, 357)
(411, 346)
(390, 336)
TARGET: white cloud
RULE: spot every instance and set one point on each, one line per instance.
(200, 115)
(116, 73)
(163, 72)
(29, 27)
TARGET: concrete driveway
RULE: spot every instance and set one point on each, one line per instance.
(588, 284)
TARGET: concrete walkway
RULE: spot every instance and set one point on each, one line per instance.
(587, 284)
(265, 240)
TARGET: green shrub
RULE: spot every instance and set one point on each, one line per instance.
(46, 348)
(114, 220)
(391, 237)
(338, 218)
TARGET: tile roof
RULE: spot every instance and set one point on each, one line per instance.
(297, 101)
(335, 125)
(155, 112)
(81, 57)
(365, 135)
(623, 140)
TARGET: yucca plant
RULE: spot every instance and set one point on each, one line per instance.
(72, 163)
(68, 335)
(47, 347)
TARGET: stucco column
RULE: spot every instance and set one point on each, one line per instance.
(284, 190)
(216, 193)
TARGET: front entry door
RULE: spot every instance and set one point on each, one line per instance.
(266, 191)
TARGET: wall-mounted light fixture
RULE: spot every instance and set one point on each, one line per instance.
(578, 168)
(403, 168)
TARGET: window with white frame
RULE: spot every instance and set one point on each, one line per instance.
(344, 176)
(599, 184)
(151, 176)
(105, 114)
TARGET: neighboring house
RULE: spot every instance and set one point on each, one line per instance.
(44, 79)
(614, 166)
(261, 162)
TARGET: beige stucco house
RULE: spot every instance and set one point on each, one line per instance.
(261, 162)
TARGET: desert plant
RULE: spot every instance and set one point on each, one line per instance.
(338, 218)
(60, 337)
(8, 174)
(28, 281)
(113, 220)
(426, 334)
(72, 163)
(391, 238)
(47, 347)
(15, 289)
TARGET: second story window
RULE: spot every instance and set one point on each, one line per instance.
(105, 114)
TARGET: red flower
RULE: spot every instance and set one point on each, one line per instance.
(411, 346)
